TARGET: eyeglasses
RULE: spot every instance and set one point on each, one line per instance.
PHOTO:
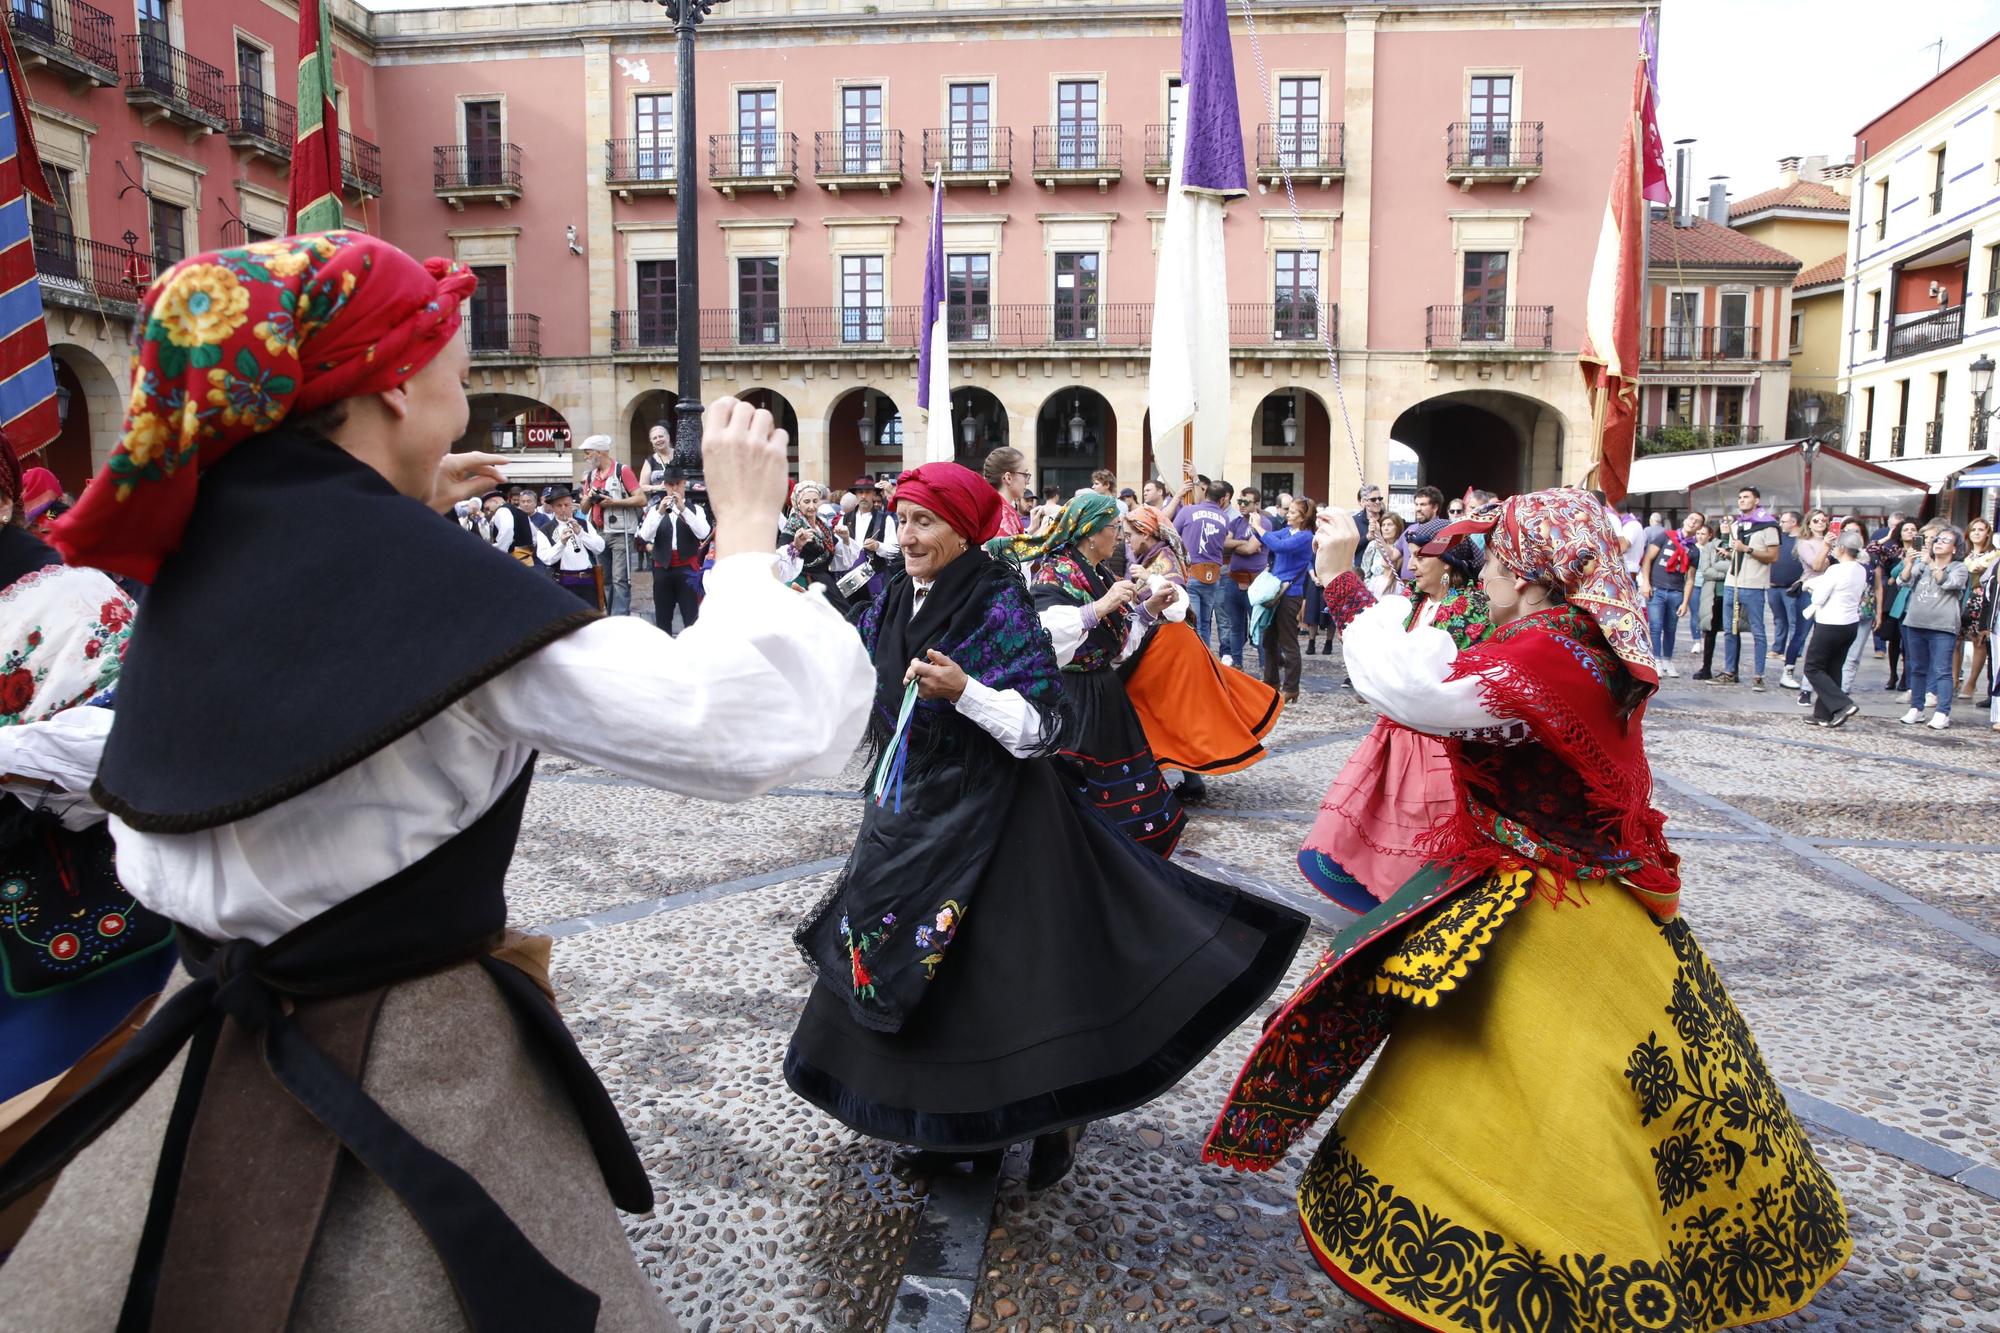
(1456, 511)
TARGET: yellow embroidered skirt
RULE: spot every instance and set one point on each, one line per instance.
(1573, 1132)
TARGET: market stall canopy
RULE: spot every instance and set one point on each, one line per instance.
(1708, 479)
(1980, 478)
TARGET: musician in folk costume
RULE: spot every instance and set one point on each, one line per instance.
(287, 1141)
(1569, 1124)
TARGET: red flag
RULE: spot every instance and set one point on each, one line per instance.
(28, 410)
(1610, 355)
(315, 201)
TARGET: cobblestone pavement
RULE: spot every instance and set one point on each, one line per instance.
(1846, 884)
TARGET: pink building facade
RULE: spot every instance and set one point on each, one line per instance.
(1449, 165)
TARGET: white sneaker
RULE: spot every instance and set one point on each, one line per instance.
(1228, 661)
(1787, 681)
(1914, 716)
(1939, 721)
(1670, 669)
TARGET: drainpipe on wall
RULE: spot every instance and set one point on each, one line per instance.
(1860, 197)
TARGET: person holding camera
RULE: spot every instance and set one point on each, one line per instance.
(678, 532)
(613, 500)
(571, 547)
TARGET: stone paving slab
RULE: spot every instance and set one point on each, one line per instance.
(1966, 884)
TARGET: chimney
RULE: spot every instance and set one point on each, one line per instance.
(1813, 168)
(1788, 171)
(1840, 179)
(1718, 200)
(1684, 182)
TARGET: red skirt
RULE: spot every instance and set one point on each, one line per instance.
(1200, 716)
(1395, 789)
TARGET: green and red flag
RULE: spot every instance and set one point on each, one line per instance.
(315, 202)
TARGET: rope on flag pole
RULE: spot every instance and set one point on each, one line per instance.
(1299, 232)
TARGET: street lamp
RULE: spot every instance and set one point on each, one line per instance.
(1291, 426)
(687, 16)
(499, 435)
(1075, 425)
(968, 429)
(866, 426)
(1809, 409)
(1982, 384)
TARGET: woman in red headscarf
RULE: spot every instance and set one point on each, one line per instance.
(356, 1104)
(997, 962)
(1569, 1125)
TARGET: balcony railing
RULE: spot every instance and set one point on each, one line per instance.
(900, 327)
(360, 164)
(1684, 439)
(488, 171)
(1490, 327)
(1308, 148)
(79, 37)
(982, 153)
(1896, 441)
(1937, 200)
(173, 84)
(1080, 151)
(1159, 162)
(1882, 227)
(645, 164)
(1493, 149)
(1861, 442)
(1993, 304)
(768, 158)
(87, 272)
(1946, 328)
(1933, 437)
(261, 122)
(1688, 342)
(858, 157)
(504, 337)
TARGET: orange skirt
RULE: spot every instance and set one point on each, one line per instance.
(1200, 716)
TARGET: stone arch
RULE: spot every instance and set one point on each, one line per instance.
(1062, 461)
(1490, 438)
(848, 454)
(646, 409)
(987, 415)
(1306, 462)
(93, 416)
(787, 419)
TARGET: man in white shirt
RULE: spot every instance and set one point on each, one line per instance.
(571, 546)
(678, 533)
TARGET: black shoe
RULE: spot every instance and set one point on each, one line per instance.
(1841, 718)
(1702, 675)
(1193, 788)
(924, 1162)
(1052, 1157)
(1312, 647)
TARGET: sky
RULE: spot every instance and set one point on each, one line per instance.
(1756, 80)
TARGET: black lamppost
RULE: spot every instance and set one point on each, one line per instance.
(1982, 384)
(687, 16)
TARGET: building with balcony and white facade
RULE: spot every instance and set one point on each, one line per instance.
(1923, 295)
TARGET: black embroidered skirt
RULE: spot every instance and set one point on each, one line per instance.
(1106, 755)
(1087, 978)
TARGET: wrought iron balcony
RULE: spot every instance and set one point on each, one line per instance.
(1683, 439)
(1937, 200)
(360, 164)
(1159, 160)
(858, 159)
(1896, 441)
(1282, 323)
(1993, 304)
(1861, 442)
(1490, 328)
(260, 122)
(971, 155)
(166, 83)
(78, 40)
(489, 173)
(753, 160)
(1945, 328)
(1079, 154)
(646, 164)
(89, 274)
(1493, 150)
(504, 337)
(1688, 342)
(1311, 151)
(1933, 437)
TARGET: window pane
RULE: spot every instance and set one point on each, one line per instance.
(655, 297)
(653, 126)
(488, 326)
(758, 313)
(969, 298)
(1076, 124)
(861, 310)
(971, 126)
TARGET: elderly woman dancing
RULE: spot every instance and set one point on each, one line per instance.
(998, 962)
(1569, 1125)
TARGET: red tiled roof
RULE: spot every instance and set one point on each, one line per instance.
(1706, 245)
(1832, 270)
(1802, 194)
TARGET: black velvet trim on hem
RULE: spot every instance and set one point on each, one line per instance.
(1231, 763)
(1079, 1103)
(417, 716)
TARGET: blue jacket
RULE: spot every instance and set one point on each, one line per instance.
(1291, 556)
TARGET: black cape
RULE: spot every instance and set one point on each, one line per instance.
(311, 616)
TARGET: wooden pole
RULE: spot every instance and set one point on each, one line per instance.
(1187, 461)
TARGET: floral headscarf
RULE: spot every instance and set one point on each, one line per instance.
(1087, 513)
(231, 343)
(1563, 538)
(1153, 528)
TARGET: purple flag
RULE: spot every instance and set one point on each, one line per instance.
(934, 351)
(1649, 47)
(1213, 126)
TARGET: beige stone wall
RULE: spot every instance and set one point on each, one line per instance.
(99, 350)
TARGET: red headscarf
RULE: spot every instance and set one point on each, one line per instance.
(232, 343)
(39, 489)
(958, 495)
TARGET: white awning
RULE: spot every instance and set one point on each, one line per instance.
(1677, 473)
(1934, 470)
